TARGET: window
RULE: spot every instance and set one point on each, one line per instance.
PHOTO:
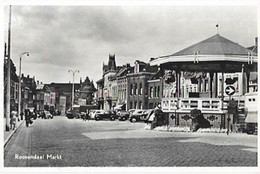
(131, 105)
(151, 92)
(140, 89)
(134, 86)
(131, 89)
(155, 91)
(140, 105)
(135, 106)
(158, 91)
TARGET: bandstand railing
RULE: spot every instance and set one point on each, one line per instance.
(203, 104)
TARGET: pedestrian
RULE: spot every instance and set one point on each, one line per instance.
(27, 118)
(21, 114)
(13, 120)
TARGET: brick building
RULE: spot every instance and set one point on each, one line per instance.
(137, 85)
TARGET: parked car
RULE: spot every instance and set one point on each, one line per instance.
(139, 115)
(91, 114)
(131, 111)
(69, 114)
(106, 115)
(48, 115)
(123, 115)
(95, 113)
(45, 115)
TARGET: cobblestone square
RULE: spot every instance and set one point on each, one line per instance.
(124, 144)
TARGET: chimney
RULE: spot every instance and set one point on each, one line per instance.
(28, 76)
(22, 75)
(256, 41)
(37, 82)
(127, 65)
(41, 83)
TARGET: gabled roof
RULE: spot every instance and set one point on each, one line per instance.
(215, 45)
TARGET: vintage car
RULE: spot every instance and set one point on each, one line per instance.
(111, 115)
(123, 115)
(138, 115)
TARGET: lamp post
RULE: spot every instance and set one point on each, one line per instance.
(72, 98)
(20, 88)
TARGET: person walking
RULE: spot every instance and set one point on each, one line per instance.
(21, 115)
(13, 120)
(27, 118)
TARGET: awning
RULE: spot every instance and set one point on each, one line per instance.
(251, 117)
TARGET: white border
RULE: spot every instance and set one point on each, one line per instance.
(198, 170)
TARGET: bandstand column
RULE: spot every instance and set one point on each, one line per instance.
(216, 85)
(178, 88)
(203, 84)
(211, 75)
(199, 84)
(247, 80)
(222, 87)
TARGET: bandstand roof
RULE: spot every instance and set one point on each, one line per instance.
(215, 54)
(215, 45)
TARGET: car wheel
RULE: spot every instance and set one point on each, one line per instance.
(123, 118)
(97, 119)
(133, 120)
(112, 118)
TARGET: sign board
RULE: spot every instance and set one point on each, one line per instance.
(230, 90)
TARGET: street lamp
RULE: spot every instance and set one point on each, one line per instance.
(20, 88)
(72, 98)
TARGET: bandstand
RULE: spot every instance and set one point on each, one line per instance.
(214, 57)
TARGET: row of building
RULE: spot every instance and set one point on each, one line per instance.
(140, 86)
(39, 96)
(143, 86)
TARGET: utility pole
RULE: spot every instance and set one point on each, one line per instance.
(8, 76)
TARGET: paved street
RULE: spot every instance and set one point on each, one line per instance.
(61, 142)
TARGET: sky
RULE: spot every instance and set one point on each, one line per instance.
(60, 38)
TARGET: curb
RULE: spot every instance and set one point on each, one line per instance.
(10, 136)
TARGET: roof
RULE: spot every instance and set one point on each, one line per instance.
(253, 48)
(65, 87)
(215, 45)
(149, 68)
(100, 81)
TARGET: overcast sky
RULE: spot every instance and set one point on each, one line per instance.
(60, 38)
